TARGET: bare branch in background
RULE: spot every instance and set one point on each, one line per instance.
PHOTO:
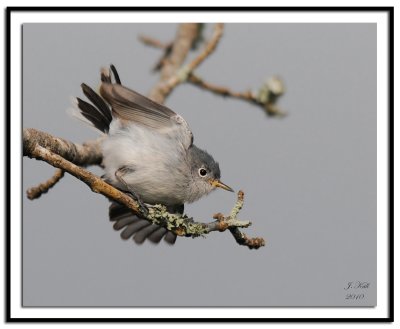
(181, 46)
(266, 97)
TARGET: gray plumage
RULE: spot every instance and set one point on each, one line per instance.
(148, 152)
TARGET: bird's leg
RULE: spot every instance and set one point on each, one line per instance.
(129, 191)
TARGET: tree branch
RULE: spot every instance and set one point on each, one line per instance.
(186, 35)
(86, 154)
(96, 184)
(208, 49)
(181, 225)
(183, 73)
(172, 73)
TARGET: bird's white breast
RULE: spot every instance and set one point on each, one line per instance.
(159, 171)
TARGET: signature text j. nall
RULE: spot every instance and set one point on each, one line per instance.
(357, 285)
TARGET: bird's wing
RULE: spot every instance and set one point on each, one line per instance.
(128, 105)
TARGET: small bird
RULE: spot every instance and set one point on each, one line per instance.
(148, 153)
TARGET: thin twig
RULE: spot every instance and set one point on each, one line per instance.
(265, 98)
(219, 90)
(36, 191)
(148, 41)
(244, 240)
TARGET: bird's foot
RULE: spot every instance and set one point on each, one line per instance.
(142, 206)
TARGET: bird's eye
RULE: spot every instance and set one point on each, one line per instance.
(202, 172)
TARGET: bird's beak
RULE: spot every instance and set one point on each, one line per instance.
(218, 183)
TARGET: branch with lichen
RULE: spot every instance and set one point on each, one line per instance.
(44, 149)
(185, 226)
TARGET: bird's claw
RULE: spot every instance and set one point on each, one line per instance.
(142, 207)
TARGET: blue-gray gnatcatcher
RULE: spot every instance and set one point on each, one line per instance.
(149, 152)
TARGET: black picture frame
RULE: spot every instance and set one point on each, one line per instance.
(390, 27)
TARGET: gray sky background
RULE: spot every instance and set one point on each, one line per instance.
(309, 178)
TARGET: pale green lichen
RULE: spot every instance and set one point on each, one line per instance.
(238, 206)
(180, 224)
(268, 95)
(183, 74)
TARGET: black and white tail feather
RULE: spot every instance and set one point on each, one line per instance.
(99, 116)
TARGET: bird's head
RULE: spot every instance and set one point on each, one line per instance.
(205, 173)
